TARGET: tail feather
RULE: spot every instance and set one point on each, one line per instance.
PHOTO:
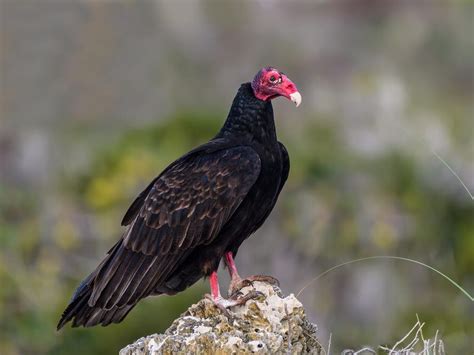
(122, 279)
(78, 302)
(81, 314)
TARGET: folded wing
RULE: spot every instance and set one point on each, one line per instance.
(186, 206)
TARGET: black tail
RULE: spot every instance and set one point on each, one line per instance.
(82, 314)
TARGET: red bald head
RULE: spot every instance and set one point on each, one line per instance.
(270, 83)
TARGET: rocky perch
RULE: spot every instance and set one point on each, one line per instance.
(270, 324)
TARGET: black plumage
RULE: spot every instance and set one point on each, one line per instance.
(204, 204)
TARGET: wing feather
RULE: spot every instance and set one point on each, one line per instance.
(186, 206)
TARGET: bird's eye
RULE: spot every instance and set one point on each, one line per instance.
(272, 79)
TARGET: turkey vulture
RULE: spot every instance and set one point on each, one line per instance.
(197, 211)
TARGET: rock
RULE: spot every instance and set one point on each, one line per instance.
(269, 324)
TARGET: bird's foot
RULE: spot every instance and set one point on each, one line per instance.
(237, 284)
(223, 304)
(239, 301)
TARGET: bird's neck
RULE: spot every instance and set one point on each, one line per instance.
(249, 118)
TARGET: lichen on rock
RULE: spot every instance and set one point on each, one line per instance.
(270, 324)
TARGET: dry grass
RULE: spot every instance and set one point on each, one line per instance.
(412, 343)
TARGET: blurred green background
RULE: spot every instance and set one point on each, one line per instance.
(97, 97)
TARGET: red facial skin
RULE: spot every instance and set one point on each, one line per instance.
(270, 83)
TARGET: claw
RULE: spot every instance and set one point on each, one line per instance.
(237, 284)
(224, 304)
(235, 295)
(249, 296)
(264, 278)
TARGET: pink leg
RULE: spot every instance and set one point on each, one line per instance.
(213, 280)
(229, 260)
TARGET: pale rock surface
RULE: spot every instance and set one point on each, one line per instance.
(271, 324)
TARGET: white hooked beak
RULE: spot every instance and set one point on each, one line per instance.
(296, 98)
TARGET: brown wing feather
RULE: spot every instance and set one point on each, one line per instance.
(186, 206)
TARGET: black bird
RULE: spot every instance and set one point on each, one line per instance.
(197, 211)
